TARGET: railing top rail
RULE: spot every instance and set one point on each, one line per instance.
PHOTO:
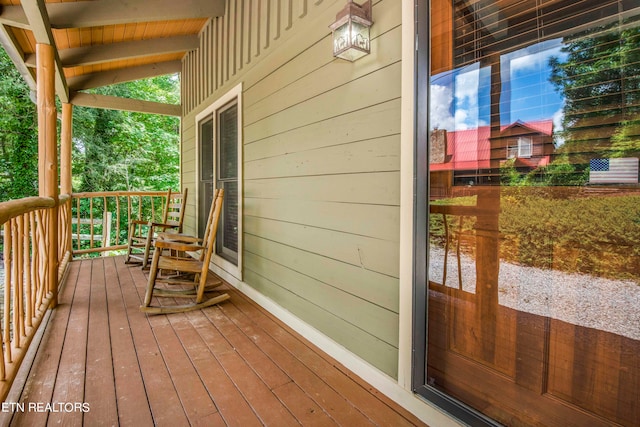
(14, 208)
(118, 194)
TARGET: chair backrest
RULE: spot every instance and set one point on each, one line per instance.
(211, 230)
(174, 209)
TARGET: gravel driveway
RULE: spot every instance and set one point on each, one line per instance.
(580, 299)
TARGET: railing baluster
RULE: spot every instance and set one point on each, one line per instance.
(8, 283)
(78, 222)
(27, 268)
(35, 265)
(91, 222)
(17, 282)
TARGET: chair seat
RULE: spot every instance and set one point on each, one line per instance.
(180, 264)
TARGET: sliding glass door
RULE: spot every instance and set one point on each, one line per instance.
(527, 274)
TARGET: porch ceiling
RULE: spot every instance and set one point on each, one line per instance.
(102, 42)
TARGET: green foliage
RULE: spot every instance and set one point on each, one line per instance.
(113, 150)
(18, 135)
(118, 150)
(564, 229)
(599, 82)
(558, 173)
(595, 235)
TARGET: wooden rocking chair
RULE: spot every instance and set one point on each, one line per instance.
(143, 233)
(170, 255)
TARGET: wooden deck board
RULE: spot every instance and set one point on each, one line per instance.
(339, 408)
(230, 365)
(99, 368)
(130, 391)
(70, 379)
(162, 397)
(231, 404)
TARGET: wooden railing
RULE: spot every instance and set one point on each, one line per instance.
(35, 257)
(30, 282)
(100, 220)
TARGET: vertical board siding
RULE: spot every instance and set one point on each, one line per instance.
(321, 163)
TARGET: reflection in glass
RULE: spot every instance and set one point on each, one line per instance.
(534, 224)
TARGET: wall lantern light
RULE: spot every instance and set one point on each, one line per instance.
(351, 38)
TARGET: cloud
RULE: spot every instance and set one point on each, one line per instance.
(466, 99)
(440, 111)
(558, 127)
(534, 58)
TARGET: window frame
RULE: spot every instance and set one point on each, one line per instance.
(212, 111)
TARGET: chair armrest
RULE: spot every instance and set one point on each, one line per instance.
(177, 245)
(163, 225)
(179, 237)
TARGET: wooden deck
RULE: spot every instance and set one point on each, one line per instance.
(232, 364)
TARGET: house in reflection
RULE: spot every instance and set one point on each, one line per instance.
(465, 157)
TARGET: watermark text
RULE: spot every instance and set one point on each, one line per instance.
(14, 407)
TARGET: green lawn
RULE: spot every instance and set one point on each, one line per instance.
(598, 235)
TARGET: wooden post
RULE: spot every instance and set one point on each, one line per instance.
(66, 134)
(48, 157)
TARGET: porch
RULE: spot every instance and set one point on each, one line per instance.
(232, 364)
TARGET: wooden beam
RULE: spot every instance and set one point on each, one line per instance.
(14, 16)
(96, 13)
(48, 156)
(36, 14)
(82, 99)
(91, 55)
(127, 50)
(12, 47)
(90, 81)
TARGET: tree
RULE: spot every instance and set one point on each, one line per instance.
(118, 150)
(601, 86)
(18, 135)
(113, 150)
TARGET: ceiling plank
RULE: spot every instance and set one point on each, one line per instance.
(14, 16)
(36, 14)
(12, 47)
(83, 99)
(99, 54)
(95, 13)
(90, 81)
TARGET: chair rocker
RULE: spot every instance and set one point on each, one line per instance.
(143, 233)
(170, 254)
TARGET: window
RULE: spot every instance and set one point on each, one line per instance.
(517, 277)
(227, 179)
(220, 166)
(524, 146)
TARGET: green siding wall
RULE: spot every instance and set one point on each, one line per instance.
(321, 165)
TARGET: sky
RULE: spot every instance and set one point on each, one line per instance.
(460, 99)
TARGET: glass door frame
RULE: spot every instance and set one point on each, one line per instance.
(419, 383)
